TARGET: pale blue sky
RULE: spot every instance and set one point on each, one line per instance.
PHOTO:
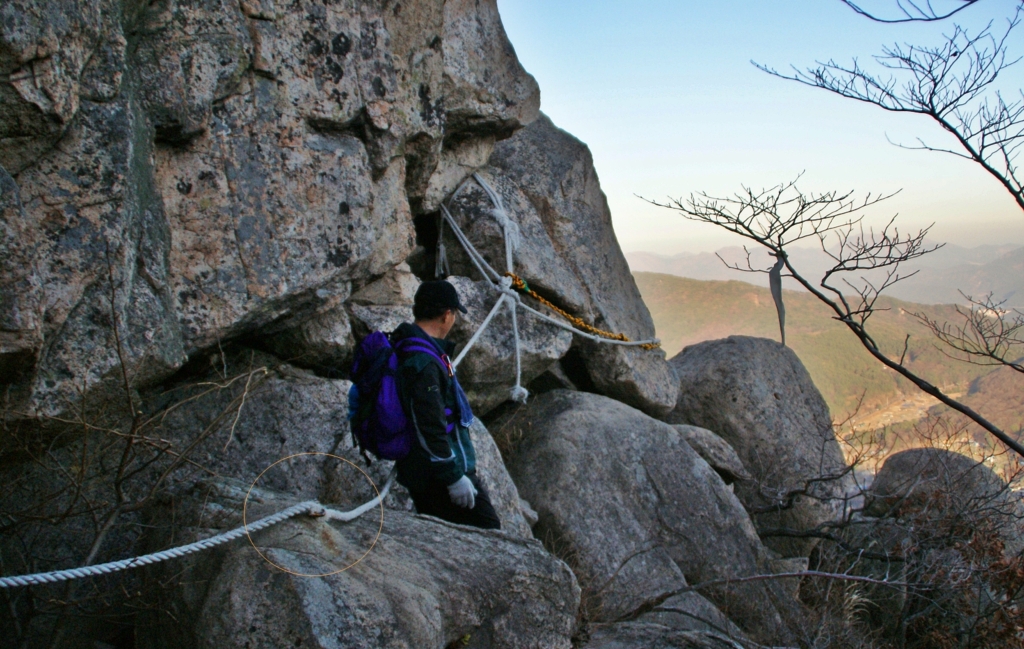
(665, 96)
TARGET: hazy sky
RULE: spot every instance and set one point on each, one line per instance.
(664, 94)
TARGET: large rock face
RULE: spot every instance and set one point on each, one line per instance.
(638, 513)
(234, 167)
(568, 253)
(758, 397)
(204, 205)
(399, 581)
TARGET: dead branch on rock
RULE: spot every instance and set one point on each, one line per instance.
(945, 539)
(799, 574)
(781, 501)
(75, 485)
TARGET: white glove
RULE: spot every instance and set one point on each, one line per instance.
(463, 493)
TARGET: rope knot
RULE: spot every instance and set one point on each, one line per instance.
(507, 287)
(516, 282)
(509, 227)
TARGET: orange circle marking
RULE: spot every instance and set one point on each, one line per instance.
(245, 524)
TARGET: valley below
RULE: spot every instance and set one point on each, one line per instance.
(870, 404)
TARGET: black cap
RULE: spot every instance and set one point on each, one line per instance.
(438, 293)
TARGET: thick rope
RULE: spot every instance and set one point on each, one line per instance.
(583, 334)
(520, 285)
(488, 273)
(509, 227)
(510, 231)
(479, 331)
(510, 235)
(310, 507)
(518, 393)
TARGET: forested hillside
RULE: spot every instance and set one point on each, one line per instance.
(687, 311)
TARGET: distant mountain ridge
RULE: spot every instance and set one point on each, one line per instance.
(1000, 274)
(941, 275)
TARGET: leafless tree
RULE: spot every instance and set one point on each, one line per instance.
(954, 84)
(865, 261)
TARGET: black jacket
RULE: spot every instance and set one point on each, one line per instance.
(427, 391)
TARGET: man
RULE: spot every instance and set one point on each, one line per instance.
(440, 470)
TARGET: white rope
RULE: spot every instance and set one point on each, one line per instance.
(510, 235)
(509, 227)
(482, 264)
(510, 230)
(518, 393)
(511, 240)
(479, 331)
(310, 507)
(353, 514)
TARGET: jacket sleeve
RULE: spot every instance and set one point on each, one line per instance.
(425, 402)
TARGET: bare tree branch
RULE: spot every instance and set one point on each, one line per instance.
(953, 84)
(908, 11)
(989, 333)
(777, 217)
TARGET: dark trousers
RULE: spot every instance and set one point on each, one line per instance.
(435, 501)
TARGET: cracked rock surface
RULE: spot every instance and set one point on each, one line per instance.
(638, 514)
(398, 581)
(191, 171)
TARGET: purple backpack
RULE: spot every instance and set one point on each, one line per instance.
(379, 422)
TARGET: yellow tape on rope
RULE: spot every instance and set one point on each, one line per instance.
(519, 284)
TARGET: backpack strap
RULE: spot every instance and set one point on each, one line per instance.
(409, 346)
(417, 345)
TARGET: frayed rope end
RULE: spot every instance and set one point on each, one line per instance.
(519, 394)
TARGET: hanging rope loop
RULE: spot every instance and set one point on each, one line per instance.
(512, 286)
